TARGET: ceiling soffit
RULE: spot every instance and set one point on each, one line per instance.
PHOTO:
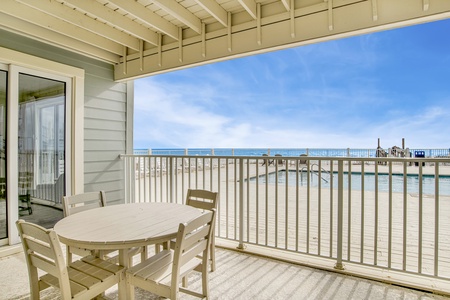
(147, 37)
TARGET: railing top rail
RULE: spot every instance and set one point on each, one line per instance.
(308, 158)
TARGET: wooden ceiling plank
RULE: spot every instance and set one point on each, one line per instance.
(148, 17)
(76, 18)
(215, 10)
(311, 26)
(29, 30)
(182, 14)
(119, 21)
(51, 23)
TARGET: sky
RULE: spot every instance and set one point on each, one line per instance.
(345, 93)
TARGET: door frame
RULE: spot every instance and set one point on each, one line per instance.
(74, 77)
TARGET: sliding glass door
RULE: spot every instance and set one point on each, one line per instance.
(41, 148)
(34, 107)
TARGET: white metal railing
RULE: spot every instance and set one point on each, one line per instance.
(385, 213)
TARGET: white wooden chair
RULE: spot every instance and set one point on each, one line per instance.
(84, 279)
(162, 273)
(81, 202)
(205, 200)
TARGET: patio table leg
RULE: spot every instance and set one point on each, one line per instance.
(124, 290)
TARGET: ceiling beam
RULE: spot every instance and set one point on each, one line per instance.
(110, 16)
(179, 12)
(79, 19)
(49, 22)
(287, 4)
(147, 16)
(215, 10)
(250, 7)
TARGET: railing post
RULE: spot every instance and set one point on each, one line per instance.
(340, 215)
(241, 204)
(172, 175)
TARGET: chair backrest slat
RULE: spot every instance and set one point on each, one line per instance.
(194, 251)
(44, 264)
(81, 202)
(202, 199)
(196, 236)
(38, 247)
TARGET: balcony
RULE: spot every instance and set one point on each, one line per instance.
(384, 219)
(322, 227)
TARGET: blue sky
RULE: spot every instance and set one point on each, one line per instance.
(344, 93)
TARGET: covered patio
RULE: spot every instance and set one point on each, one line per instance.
(86, 55)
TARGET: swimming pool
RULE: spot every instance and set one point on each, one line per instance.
(412, 181)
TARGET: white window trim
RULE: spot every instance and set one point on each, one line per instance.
(75, 153)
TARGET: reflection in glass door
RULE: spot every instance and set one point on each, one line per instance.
(3, 215)
(41, 149)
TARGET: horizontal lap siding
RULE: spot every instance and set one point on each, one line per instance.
(104, 136)
(104, 115)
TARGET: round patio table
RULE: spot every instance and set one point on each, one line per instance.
(124, 226)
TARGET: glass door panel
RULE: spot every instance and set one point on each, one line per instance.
(41, 149)
(3, 215)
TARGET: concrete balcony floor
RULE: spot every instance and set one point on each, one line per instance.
(240, 276)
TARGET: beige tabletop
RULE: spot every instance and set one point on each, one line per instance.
(120, 227)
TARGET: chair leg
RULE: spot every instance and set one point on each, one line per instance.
(212, 255)
(205, 286)
(184, 281)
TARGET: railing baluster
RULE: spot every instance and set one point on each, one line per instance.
(331, 206)
(257, 202)
(361, 255)
(349, 209)
(436, 219)
(267, 203)
(276, 202)
(297, 205)
(227, 198)
(405, 215)
(340, 215)
(248, 200)
(241, 203)
(236, 198)
(375, 235)
(420, 250)
(286, 210)
(308, 204)
(319, 206)
(390, 217)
